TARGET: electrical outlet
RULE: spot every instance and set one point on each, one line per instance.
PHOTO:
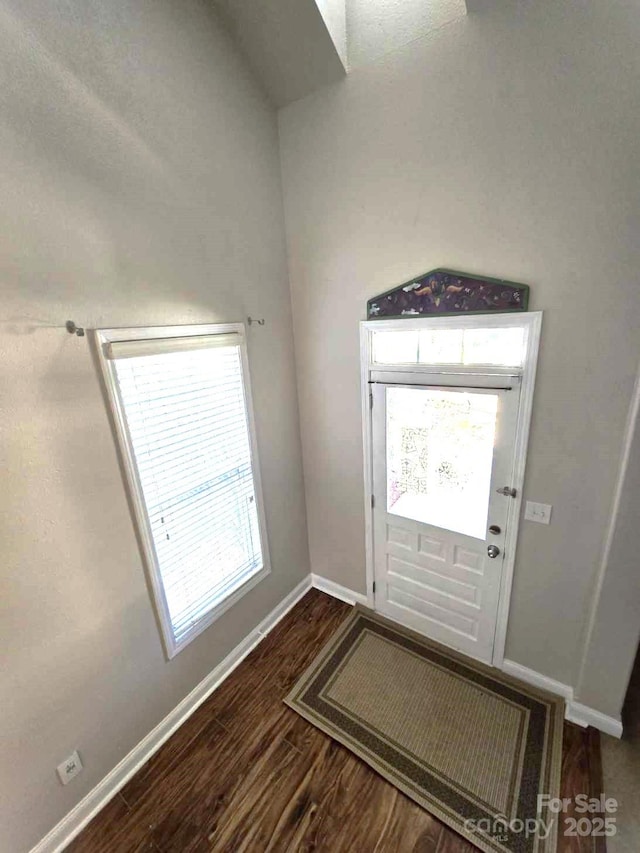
(538, 512)
(69, 768)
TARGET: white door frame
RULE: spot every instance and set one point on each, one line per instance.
(531, 321)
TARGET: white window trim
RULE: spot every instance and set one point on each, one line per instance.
(101, 339)
(531, 321)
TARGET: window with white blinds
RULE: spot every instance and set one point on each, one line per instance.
(183, 406)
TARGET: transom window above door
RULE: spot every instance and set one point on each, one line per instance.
(503, 347)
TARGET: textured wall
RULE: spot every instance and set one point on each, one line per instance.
(139, 178)
(500, 144)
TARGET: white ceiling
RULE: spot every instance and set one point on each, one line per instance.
(334, 13)
(378, 27)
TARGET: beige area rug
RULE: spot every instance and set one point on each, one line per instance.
(472, 746)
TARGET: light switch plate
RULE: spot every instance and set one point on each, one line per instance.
(537, 512)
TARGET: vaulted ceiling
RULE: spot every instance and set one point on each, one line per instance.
(287, 43)
(298, 46)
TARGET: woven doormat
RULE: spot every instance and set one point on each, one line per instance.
(472, 746)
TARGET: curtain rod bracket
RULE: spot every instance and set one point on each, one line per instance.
(71, 327)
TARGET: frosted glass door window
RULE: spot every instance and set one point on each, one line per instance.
(439, 457)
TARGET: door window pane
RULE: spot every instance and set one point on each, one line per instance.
(439, 457)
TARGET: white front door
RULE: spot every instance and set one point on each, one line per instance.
(440, 457)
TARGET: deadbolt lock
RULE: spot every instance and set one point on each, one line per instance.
(495, 529)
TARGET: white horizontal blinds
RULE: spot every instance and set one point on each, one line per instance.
(187, 418)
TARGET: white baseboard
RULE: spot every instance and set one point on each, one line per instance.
(337, 590)
(537, 679)
(72, 824)
(574, 711)
(585, 716)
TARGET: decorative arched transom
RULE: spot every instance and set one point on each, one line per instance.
(449, 292)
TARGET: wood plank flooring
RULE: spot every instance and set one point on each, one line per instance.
(246, 773)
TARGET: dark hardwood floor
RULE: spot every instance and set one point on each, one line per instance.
(246, 773)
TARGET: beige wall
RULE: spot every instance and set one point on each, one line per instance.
(139, 179)
(502, 145)
(614, 627)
